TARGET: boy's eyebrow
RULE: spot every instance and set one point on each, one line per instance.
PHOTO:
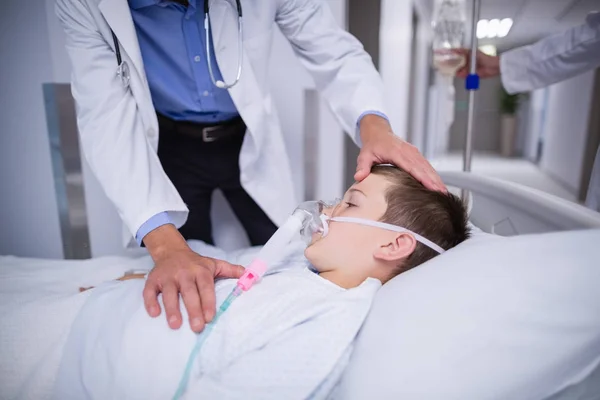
(357, 190)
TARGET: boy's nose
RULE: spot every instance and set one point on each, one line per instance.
(329, 208)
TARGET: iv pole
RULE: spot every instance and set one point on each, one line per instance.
(471, 84)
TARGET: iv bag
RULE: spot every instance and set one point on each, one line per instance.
(448, 29)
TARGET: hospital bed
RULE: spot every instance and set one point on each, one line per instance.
(507, 208)
(510, 315)
(515, 315)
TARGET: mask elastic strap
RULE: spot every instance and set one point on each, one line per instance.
(324, 225)
(389, 227)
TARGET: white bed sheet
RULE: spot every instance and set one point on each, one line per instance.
(39, 300)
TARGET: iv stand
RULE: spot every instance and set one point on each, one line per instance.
(471, 84)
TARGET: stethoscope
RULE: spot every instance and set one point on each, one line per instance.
(123, 68)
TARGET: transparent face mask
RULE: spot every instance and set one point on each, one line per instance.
(319, 223)
(314, 211)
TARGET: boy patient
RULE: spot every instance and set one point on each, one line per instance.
(290, 335)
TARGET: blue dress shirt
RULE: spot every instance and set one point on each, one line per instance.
(172, 43)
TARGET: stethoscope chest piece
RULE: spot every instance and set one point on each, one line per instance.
(123, 74)
(122, 66)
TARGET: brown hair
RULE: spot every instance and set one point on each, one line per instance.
(441, 218)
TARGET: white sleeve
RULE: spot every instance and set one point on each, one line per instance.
(111, 131)
(343, 72)
(293, 366)
(553, 59)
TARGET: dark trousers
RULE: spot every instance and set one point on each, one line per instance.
(197, 168)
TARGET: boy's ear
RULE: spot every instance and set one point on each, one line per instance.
(401, 246)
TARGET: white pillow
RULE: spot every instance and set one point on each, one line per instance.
(494, 318)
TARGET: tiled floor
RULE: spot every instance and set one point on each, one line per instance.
(510, 169)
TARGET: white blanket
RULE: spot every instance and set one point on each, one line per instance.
(281, 340)
(39, 299)
(294, 346)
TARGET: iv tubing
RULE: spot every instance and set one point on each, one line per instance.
(202, 338)
(253, 273)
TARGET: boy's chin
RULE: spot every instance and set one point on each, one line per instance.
(309, 253)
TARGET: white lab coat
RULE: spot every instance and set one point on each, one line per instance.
(118, 126)
(552, 60)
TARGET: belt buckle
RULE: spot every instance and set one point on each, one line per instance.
(205, 134)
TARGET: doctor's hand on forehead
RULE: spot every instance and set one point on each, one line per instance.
(381, 146)
(178, 269)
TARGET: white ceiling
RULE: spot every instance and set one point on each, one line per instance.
(534, 19)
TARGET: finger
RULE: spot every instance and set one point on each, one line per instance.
(226, 270)
(150, 294)
(206, 287)
(437, 180)
(426, 180)
(420, 173)
(191, 300)
(170, 294)
(416, 166)
(433, 177)
(464, 71)
(363, 165)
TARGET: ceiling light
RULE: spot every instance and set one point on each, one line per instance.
(505, 26)
(489, 49)
(492, 28)
(482, 28)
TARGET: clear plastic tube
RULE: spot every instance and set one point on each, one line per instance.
(306, 220)
(271, 251)
(235, 293)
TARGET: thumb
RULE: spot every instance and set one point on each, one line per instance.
(463, 72)
(363, 165)
(226, 270)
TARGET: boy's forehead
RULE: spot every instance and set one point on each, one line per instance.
(373, 204)
(371, 184)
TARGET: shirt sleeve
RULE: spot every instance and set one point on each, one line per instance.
(372, 112)
(342, 70)
(114, 138)
(553, 59)
(153, 222)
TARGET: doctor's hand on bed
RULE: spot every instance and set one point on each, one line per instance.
(381, 146)
(179, 270)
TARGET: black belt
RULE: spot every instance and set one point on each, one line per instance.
(207, 132)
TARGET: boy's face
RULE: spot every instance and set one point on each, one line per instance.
(348, 247)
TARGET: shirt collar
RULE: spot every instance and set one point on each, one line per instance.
(137, 4)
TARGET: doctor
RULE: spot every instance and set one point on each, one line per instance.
(544, 63)
(172, 105)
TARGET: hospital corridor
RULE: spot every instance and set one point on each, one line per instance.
(300, 199)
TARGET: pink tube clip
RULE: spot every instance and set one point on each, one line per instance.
(253, 273)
